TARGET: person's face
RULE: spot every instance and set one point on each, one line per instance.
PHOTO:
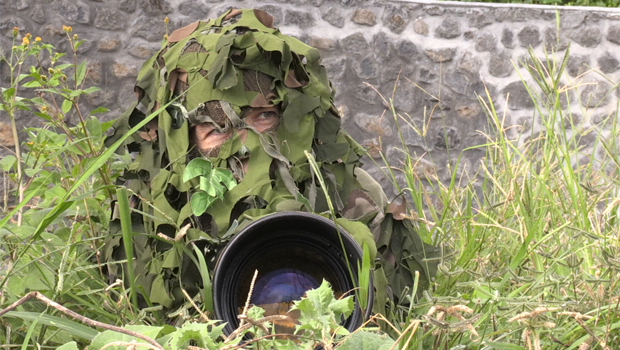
(207, 138)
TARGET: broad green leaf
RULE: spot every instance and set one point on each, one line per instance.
(63, 66)
(100, 110)
(93, 126)
(79, 43)
(200, 201)
(68, 346)
(7, 94)
(108, 337)
(363, 340)
(88, 91)
(343, 306)
(43, 116)
(66, 106)
(198, 334)
(225, 177)
(32, 84)
(196, 167)
(7, 162)
(205, 184)
(69, 326)
(80, 72)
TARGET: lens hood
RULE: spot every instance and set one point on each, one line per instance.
(293, 252)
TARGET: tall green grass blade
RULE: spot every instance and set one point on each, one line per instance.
(363, 273)
(207, 289)
(64, 203)
(66, 325)
(31, 329)
(127, 232)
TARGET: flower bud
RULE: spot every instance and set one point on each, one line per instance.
(50, 70)
(25, 41)
(75, 37)
(15, 31)
(166, 20)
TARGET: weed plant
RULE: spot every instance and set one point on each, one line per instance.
(532, 237)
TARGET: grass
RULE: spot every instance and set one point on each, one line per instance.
(531, 240)
(534, 253)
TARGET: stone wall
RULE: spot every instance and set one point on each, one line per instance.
(433, 59)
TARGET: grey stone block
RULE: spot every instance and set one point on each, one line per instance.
(508, 38)
(335, 67)
(354, 44)
(588, 36)
(480, 18)
(38, 14)
(149, 28)
(572, 19)
(72, 12)
(333, 16)
(365, 17)
(608, 63)
(141, 49)
(577, 65)
(110, 19)
(367, 67)
(441, 55)
(407, 50)
(300, 19)
(420, 27)
(109, 44)
(396, 18)
(128, 6)
(595, 95)
(449, 28)
(438, 99)
(485, 41)
(613, 34)
(447, 138)
(553, 43)
(427, 75)
(470, 64)
(405, 97)
(529, 36)
(374, 125)
(382, 45)
(456, 81)
(155, 7)
(518, 96)
(194, 8)
(434, 10)
(500, 65)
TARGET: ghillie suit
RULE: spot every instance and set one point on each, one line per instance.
(216, 70)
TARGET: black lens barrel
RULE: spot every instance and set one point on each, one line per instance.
(293, 252)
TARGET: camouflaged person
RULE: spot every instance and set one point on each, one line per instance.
(251, 100)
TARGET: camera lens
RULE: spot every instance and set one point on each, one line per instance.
(293, 253)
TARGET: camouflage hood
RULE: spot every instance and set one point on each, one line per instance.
(214, 71)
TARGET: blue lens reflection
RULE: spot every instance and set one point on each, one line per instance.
(282, 286)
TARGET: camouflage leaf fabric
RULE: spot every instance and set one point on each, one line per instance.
(209, 66)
